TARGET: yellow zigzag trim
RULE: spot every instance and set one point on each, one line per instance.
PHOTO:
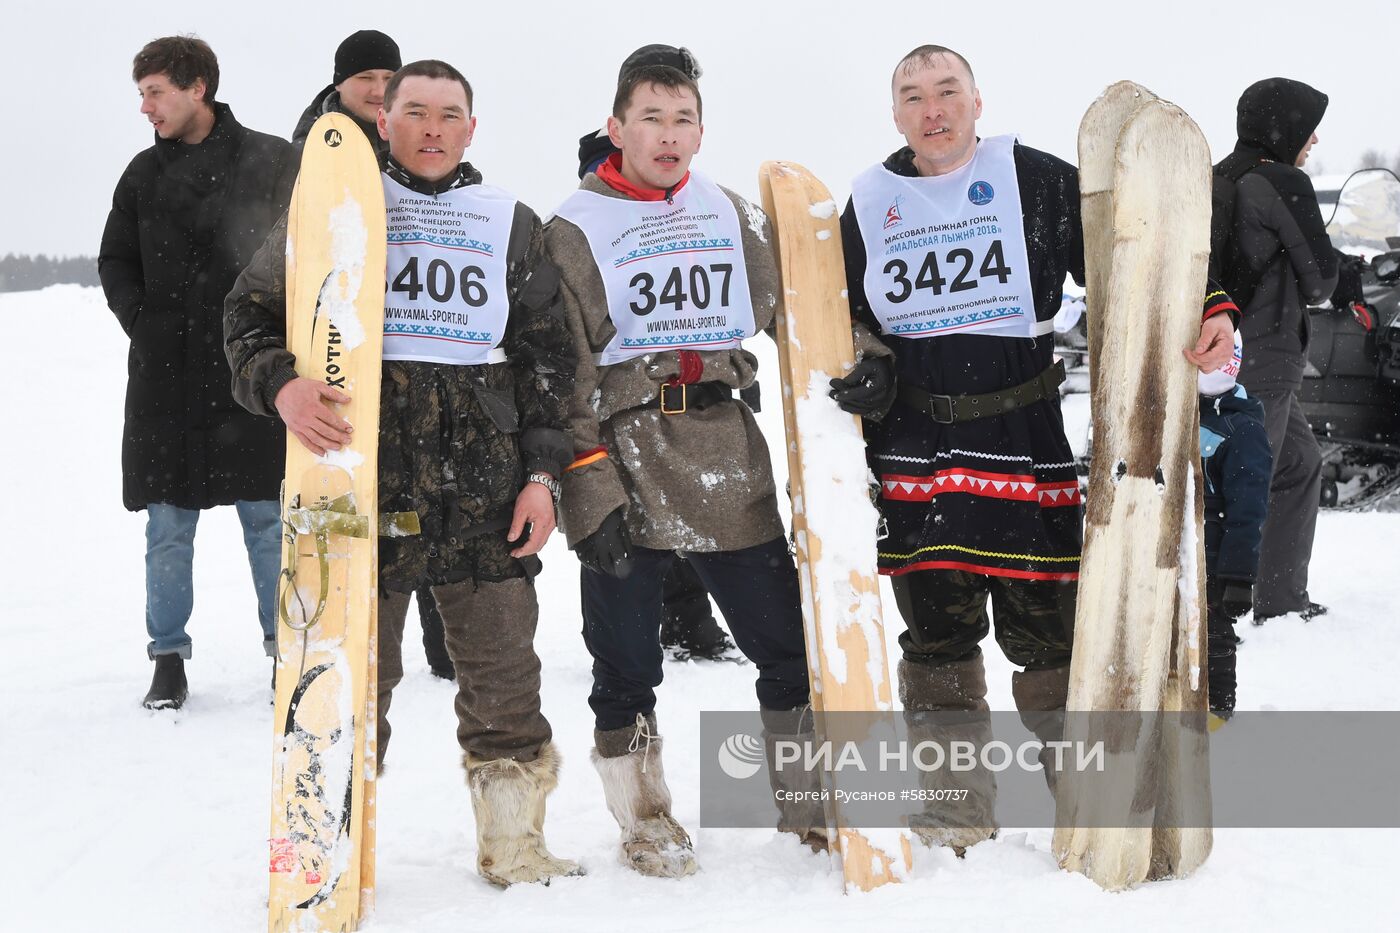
(971, 550)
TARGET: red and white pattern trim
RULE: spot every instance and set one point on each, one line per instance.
(1016, 486)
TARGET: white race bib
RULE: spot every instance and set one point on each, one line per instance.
(445, 299)
(674, 272)
(947, 254)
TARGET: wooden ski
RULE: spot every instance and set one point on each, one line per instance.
(321, 864)
(1139, 629)
(834, 522)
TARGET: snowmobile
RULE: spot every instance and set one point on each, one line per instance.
(1351, 383)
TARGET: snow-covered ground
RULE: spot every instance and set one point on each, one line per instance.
(116, 818)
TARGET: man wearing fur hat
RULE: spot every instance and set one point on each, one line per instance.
(472, 437)
(665, 273)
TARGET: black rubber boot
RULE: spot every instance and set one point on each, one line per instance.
(168, 687)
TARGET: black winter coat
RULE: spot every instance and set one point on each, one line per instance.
(185, 220)
(1237, 463)
(1278, 229)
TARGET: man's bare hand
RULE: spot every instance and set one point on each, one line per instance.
(536, 506)
(305, 406)
(1215, 346)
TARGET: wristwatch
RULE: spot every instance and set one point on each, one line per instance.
(548, 482)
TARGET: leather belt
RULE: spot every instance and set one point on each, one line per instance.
(682, 397)
(952, 409)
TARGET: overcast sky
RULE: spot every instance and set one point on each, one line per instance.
(804, 81)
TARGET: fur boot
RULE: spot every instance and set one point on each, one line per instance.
(1040, 699)
(796, 790)
(634, 785)
(508, 798)
(944, 703)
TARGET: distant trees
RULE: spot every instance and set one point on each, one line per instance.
(1374, 158)
(25, 273)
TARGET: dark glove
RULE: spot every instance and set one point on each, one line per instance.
(1348, 291)
(606, 550)
(1234, 597)
(868, 389)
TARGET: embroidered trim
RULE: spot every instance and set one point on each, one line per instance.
(948, 455)
(997, 555)
(978, 568)
(1014, 486)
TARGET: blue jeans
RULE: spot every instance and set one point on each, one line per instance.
(170, 571)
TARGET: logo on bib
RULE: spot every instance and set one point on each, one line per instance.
(892, 216)
(980, 193)
(332, 138)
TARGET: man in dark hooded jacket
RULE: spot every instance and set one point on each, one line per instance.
(1286, 262)
(187, 215)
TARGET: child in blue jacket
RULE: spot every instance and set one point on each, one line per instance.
(1237, 464)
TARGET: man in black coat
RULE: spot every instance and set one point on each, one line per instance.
(1286, 256)
(187, 216)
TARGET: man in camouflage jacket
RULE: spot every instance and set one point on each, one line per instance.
(474, 449)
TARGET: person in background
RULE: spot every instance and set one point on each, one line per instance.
(188, 214)
(1236, 464)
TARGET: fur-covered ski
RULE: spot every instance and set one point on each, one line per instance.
(1139, 631)
(322, 842)
(834, 522)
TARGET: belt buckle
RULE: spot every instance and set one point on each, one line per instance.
(673, 411)
(933, 408)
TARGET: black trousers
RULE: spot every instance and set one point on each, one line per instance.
(1285, 548)
(945, 614)
(1220, 646)
(756, 590)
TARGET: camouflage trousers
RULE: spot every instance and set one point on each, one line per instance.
(945, 615)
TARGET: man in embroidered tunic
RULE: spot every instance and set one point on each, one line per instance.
(956, 252)
(472, 419)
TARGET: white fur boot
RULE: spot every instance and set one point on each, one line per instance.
(508, 798)
(634, 785)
